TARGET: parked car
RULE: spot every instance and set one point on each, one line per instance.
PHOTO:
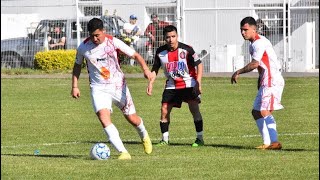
(19, 52)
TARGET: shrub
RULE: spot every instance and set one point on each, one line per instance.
(55, 60)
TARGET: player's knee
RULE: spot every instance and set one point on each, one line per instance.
(197, 117)
(256, 114)
(265, 113)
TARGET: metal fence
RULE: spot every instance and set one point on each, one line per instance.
(292, 26)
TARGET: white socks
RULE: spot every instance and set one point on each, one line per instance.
(263, 131)
(272, 128)
(114, 138)
(200, 135)
(268, 129)
(165, 136)
(141, 129)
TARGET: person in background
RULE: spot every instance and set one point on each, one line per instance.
(154, 32)
(57, 39)
(132, 31)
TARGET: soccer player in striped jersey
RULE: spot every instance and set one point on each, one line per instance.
(270, 83)
(183, 70)
(108, 84)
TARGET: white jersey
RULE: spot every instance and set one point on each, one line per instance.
(269, 67)
(102, 60)
(131, 27)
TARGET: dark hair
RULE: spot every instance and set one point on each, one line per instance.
(169, 28)
(250, 20)
(95, 24)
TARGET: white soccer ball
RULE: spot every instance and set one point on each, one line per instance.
(100, 151)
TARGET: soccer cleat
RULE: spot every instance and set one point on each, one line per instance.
(198, 143)
(147, 145)
(263, 146)
(124, 156)
(162, 143)
(272, 146)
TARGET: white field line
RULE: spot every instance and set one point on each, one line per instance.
(214, 137)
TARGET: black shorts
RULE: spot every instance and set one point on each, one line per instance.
(177, 96)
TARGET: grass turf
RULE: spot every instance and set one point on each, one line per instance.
(39, 114)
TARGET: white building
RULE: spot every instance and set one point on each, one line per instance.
(204, 24)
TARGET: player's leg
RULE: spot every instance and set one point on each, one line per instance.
(263, 106)
(127, 107)
(164, 123)
(102, 104)
(198, 122)
(169, 100)
(274, 104)
(192, 97)
(111, 130)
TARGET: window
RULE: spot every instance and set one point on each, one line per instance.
(83, 30)
(92, 10)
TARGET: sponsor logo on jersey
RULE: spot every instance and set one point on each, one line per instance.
(182, 55)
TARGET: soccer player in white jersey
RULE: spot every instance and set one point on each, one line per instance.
(270, 83)
(107, 83)
(183, 70)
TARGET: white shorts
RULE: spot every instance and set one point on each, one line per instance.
(103, 96)
(269, 98)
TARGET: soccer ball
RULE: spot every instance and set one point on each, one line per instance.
(100, 151)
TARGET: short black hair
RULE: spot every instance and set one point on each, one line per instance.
(169, 28)
(250, 20)
(95, 24)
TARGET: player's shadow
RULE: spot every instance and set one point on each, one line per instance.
(240, 147)
(48, 156)
(213, 145)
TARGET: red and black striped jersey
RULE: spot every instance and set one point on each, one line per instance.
(179, 66)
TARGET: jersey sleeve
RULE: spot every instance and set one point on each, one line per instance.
(156, 64)
(258, 50)
(123, 47)
(79, 55)
(192, 57)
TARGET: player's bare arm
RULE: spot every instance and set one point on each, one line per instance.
(154, 72)
(248, 68)
(75, 92)
(150, 84)
(199, 75)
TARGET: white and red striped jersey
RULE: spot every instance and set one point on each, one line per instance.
(102, 60)
(269, 67)
(179, 66)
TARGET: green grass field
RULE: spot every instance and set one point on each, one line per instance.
(39, 114)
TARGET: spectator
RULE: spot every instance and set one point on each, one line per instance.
(262, 28)
(154, 32)
(57, 39)
(132, 32)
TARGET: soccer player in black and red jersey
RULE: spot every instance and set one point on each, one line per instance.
(183, 70)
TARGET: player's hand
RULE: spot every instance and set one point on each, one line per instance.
(147, 74)
(151, 81)
(200, 89)
(75, 93)
(234, 78)
(149, 88)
